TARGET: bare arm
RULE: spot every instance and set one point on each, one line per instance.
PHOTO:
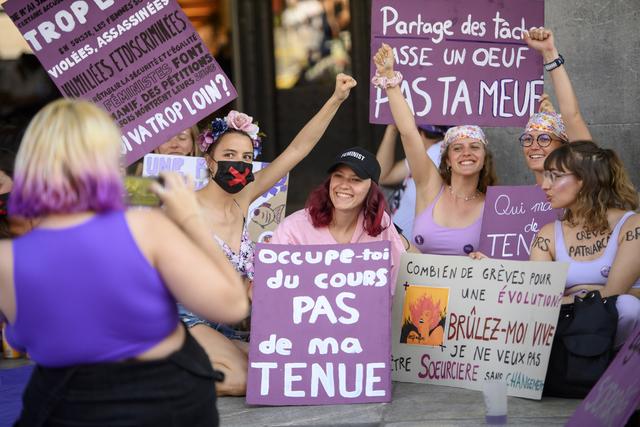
(426, 176)
(390, 173)
(303, 143)
(541, 39)
(543, 246)
(193, 266)
(625, 270)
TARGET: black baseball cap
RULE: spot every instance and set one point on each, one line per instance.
(363, 163)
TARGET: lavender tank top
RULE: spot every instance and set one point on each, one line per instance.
(431, 238)
(86, 294)
(590, 272)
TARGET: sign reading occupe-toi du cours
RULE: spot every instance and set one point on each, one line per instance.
(142, 61)
(463, 61)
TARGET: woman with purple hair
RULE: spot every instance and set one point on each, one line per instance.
(90, 292)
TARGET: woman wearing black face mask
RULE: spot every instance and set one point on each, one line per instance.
(229, 147)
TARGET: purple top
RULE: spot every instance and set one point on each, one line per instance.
(434, 239)
(595, 271)
(87, 294)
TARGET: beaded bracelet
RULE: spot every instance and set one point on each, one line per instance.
(383, 82)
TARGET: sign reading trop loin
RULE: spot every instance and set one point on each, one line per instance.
(463, 61)
(458, 321)
(142, 61)
(320, 325)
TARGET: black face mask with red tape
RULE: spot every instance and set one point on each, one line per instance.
(233, 176)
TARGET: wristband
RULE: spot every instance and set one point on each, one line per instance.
(554, 64)
(383, 82)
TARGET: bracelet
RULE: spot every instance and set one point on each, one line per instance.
(554, 64)
(383, 82)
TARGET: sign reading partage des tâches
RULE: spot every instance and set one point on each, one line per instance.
(463, 61)
(142, 61)
(320, 325)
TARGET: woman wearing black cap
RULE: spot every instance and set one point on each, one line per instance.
(348, 207)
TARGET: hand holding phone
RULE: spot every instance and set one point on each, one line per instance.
(139, 192)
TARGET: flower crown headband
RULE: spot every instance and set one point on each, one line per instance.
(235, 120)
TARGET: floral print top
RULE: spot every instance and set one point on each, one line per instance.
(242, 261)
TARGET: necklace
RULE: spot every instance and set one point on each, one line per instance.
(463, 197)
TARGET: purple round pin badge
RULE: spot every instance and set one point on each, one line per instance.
(468, 249)
(419, 239)
(604, 271)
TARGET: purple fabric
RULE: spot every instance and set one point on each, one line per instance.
(431, 238)
(595, 271)
(86, 294)
(12, 383)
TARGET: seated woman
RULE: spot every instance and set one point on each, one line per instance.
(449, 199)
(97, 312)
(348, 207)
(182, 144)
(599, 235)
(229, 148)
(548, 130)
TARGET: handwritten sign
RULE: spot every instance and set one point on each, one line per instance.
(462, 61)
(142, 61)
(264, 214)
(513, 216)
(194, 167)
(320, 325)
(458, 322)
(617, 394)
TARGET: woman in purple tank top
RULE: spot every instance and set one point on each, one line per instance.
(599, 235)
(90, 292)
(449, 199)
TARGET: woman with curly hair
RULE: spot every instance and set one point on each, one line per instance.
(599, 234)
(229, 147)
(449, 199)
(348, 207)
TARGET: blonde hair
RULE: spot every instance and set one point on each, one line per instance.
(68, 161)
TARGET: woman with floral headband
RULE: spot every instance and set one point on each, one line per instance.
(229, 148)
(546, 131)
(449, 199)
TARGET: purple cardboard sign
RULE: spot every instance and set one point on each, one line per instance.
(463, 62)
(320, 325)
(617, 393)
(513, 216)
(142, 61)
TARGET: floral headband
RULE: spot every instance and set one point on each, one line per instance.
(548, 122)
(235, 121)
(460, 132)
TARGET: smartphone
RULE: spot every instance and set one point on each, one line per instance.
(138, 192)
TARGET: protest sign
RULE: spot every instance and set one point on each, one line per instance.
(617, 394)
(320, 325)
(512, 217)
(195, 167)
(463, 62)
(264, 214)
(142, 61)
(459, 322)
